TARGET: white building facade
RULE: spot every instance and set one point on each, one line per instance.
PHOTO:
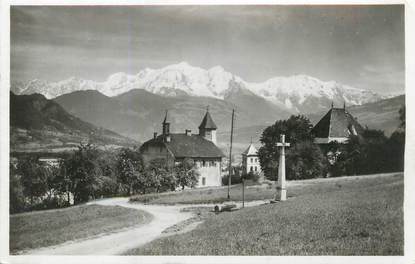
(250, 160)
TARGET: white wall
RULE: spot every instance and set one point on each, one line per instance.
(212, 174)
(248, 164)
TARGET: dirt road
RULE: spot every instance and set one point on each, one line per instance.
(164, 216)
(116, 243)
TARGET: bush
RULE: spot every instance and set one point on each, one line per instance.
(305, 160)
(253, 176)
(17, 198)
(370, 153)
(235, 179)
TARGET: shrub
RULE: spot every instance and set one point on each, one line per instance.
(17, 198)
(235, 179)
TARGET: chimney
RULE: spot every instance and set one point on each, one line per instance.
(188, 132)
(155, 135)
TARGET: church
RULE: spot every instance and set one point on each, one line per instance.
(201, 148)
(337, 125)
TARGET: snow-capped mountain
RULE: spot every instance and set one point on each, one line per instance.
(297, 93)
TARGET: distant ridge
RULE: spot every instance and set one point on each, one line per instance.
(38, 123)
(295, 94)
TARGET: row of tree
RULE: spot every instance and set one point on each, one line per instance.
(371, 152)
(89, 173)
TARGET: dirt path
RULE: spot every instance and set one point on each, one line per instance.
(116, 243)
(164, 216)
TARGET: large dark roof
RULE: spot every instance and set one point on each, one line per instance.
(184, 146)
(336, 123)
(207, 122)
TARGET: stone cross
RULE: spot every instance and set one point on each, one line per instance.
(281, 189)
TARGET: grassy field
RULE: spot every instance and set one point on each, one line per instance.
(346, 216)
(40, 229)
(253, 192)
(205, 195)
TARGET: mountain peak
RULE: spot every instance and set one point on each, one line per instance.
(117, 77)
(182, 64)
(296, 93)
(217, 69)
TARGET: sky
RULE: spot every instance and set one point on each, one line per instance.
(361, 46)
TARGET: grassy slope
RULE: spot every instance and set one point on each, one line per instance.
(352, 216)
(205, 195)
(40, 229)
(218, 195)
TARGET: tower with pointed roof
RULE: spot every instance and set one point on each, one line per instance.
(166, 124)
(250, 160)
(207, 128)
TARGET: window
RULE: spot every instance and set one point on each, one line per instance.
(203, 163)
(256, 160)
(251, 168)
(203, 181)
(252, 160)
(255, 168)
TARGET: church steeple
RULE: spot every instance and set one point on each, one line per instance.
(166, 124)
(207, 127)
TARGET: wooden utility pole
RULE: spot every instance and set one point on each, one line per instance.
(243, 192)
(230, 157)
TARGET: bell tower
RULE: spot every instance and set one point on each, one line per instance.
(166, 125)
(207, 128)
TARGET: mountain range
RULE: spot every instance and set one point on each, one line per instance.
(381, 115)
(37, 123)
(294, 94)
(138, 113)
(133, 105)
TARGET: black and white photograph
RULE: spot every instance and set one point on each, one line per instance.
(206, 130)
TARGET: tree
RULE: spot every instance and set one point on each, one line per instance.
(160, 176)
(352, 155)
(33, 178)
(396, 150)
(130, 170)
(402, 117)
(83, 172)
(365, 154)
(304, 160)
(186, 173)
(296, 129)
(376, 153)
(17, 199)
(396, 144)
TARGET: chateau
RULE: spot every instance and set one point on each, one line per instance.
(201, 148)
(337, 125)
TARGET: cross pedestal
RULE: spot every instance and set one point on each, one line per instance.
(281, 189)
